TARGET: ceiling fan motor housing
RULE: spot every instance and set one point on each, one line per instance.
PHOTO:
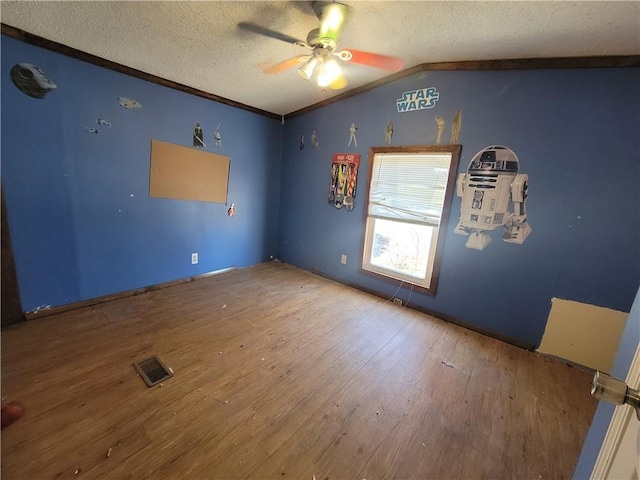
(314, 39)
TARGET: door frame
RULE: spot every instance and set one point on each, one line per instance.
(622, 415)
(11, 305)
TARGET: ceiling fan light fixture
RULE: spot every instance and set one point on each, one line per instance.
(329, 72)
(306, 70)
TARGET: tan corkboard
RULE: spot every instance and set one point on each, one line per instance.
(186, 173)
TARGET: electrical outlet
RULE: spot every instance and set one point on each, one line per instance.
(194, 258)
(343, 259)
(397, 301)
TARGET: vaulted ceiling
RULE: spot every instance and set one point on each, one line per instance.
(199, 44)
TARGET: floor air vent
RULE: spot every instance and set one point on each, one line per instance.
(153, 371)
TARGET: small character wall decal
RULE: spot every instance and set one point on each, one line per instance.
(315, 142)
(388, 132)
(217, 137)
(441, 126)
(455, 128)
(352, 135)
(101, 122)
(129, 103)
(302, 141)
(198, 140)
(30, 80)
(232, 210)
(493, 195)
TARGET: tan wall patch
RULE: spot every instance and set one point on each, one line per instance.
(584, 334)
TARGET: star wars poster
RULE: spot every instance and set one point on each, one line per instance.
(344, 177)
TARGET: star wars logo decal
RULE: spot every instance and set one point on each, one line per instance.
(422, 99)
(344, 177)
(493, 196)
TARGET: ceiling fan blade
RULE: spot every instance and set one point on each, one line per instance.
(285, 65)
(252, 27)
(385, 62)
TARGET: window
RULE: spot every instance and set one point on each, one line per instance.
(410, 190)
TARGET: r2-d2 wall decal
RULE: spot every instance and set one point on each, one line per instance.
(491, 186)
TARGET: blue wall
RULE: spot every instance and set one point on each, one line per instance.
(604, 412)
(81, 219)
(83, 225)
(576, 135)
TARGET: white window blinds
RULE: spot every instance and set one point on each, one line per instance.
(409, 187)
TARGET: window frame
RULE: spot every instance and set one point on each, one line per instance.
(366, 241)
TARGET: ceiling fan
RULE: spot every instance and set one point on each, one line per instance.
(323, 43)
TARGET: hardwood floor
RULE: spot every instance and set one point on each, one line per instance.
(282, 374)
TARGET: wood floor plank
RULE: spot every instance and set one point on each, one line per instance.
(356, 399)
(279, 373)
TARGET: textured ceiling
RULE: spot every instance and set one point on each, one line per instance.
(198, 44)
